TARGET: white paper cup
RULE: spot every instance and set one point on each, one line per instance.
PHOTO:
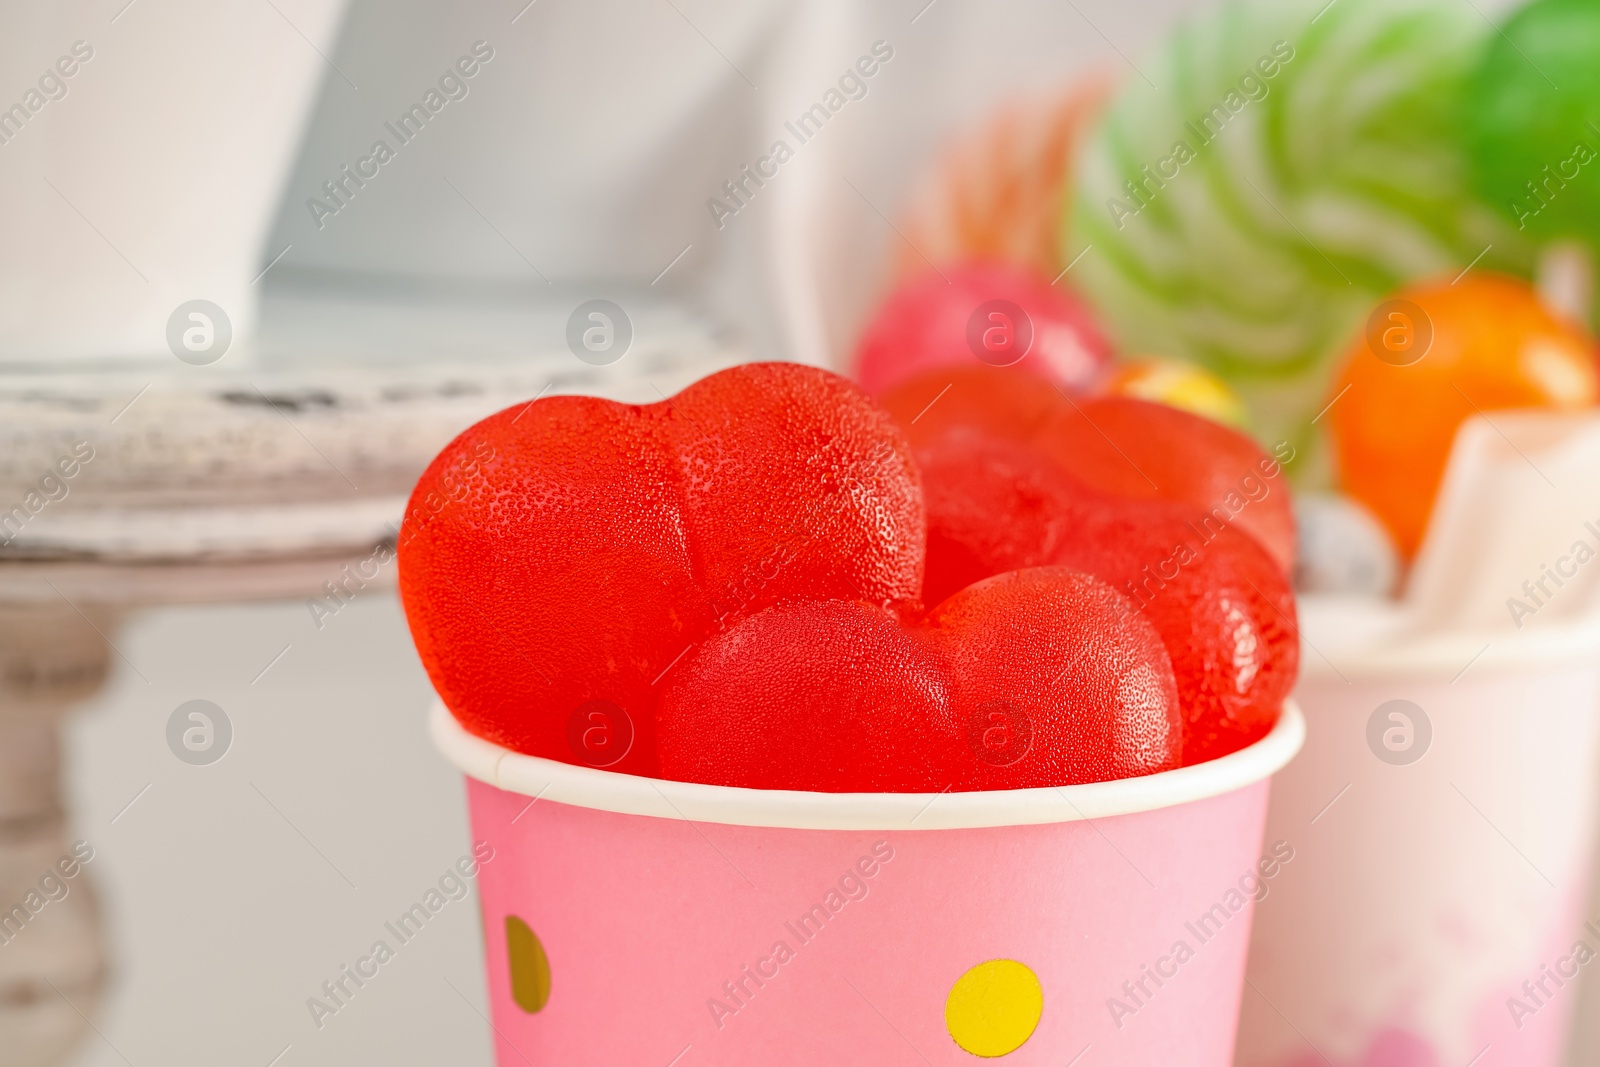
(1443, 855)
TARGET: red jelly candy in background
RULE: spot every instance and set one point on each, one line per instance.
(1000, 402)
(1055, 680)
(1042, 677)
(1137, 448)
(557, 557)
(1116, 445)
(826, 695)
(949, 319)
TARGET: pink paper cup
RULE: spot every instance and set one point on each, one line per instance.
(635, 921)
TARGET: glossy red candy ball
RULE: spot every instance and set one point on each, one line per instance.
(980, 313)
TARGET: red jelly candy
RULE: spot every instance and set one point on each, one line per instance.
(1220, 604)
(1056, 681)
(997, 401)
(1038, 678)
(835, 696)
(1116, 445)
(1135, 448)
(993, 506)
(978, 313)
(791, 471)
(559, 556)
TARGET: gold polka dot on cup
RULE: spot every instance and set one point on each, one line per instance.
(994, 1008)
(530, 967)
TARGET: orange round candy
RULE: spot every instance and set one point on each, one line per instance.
(1428, 358)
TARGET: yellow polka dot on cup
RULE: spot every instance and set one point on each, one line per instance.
(994, 1008)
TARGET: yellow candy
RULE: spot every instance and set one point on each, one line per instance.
(1180, 385)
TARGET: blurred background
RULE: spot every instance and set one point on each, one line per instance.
(263, 328)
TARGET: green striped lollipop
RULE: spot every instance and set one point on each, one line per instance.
(1278, 170)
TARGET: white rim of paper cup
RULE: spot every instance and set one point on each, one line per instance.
(1405, 653)
(629, 794)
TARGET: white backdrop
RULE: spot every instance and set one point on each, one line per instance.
(586, 150)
